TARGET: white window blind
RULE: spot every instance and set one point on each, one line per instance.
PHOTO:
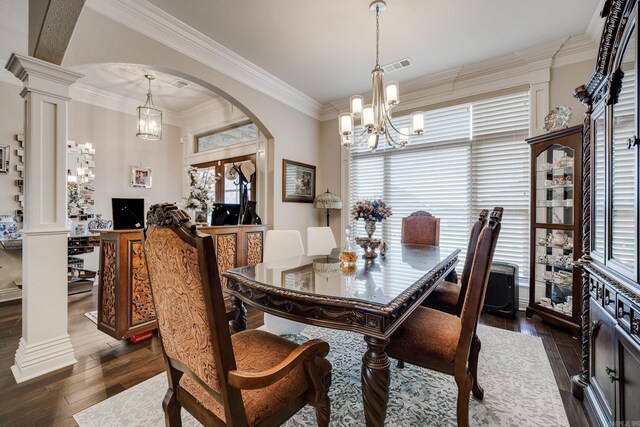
(623, 222)
(471, 157)
(500, 172)
(599, 186)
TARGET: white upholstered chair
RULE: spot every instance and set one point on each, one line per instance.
(281, 245)
(320, 241)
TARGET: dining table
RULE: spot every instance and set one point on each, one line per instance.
(371, 297)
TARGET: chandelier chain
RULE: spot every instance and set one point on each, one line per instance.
(377, 34)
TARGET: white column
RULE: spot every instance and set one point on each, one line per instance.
(45, 345)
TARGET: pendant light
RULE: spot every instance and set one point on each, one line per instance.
(149, 118)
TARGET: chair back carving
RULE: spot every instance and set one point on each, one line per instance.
(476, 228)
(189, 304)
(421, 228)
(477, 283)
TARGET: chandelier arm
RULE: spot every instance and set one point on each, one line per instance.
(388, 120)
(387, 136)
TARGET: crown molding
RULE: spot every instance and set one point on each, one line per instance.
(101, 98)
(524, 67)
(145, 18)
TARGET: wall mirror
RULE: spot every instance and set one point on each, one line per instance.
(80, 178)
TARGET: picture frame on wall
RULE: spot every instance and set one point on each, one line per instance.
(298, 182)
(140, 177)
(4, 158)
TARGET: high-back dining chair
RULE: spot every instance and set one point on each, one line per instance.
(439, 341)
(280, 245)
(420, 228)
(320, 241)
(449, 296)
(246, 379)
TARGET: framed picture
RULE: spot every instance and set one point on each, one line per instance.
(4, 158)
(298, 182)
(140, 177)
(300, 279)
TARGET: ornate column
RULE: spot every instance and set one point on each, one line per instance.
(45, 345)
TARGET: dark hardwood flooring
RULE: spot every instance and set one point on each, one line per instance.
(107, 366)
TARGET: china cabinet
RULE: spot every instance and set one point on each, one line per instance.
(610, 372)
(556, 221)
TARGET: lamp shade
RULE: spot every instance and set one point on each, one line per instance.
(327, 200)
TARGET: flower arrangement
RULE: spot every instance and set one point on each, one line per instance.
(371, 210)
(201, 190)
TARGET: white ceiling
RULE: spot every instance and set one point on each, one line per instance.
(128, 81)
(327, 49)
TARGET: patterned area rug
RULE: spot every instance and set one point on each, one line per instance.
(520, 390)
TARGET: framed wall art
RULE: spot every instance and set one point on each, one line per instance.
(298, 182)
(140, 177)
(4, 158)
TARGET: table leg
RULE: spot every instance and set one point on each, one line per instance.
(240, 322)
(375, 381)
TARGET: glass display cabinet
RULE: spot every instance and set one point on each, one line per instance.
(556, 221)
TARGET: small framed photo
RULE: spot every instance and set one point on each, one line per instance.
(140, 177)
(300, 279)
(298, 182)
(4, 158)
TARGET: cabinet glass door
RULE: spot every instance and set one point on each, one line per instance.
(554, 185)
(623, 166)
(599, 196)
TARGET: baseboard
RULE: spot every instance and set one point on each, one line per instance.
(34, 360)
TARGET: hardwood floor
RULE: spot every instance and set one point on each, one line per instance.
(107, 366)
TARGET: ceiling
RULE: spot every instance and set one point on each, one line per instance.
(327, 49)
(127, 80)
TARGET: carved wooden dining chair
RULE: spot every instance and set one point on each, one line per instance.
(449, 296)
(245, 379)
(420, 228)
(440, 341)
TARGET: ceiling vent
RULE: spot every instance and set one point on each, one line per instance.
(179, 84)
(398, 65)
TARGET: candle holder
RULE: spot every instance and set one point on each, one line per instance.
(369, 245)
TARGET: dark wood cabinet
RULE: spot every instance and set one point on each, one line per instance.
(609, 381)
(556, 228)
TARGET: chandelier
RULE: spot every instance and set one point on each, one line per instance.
(376, 117)
(149, 118)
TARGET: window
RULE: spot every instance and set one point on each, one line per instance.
(227, 184)
(471, 157)
(233, 135)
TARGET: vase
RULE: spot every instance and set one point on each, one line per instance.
(370, 227)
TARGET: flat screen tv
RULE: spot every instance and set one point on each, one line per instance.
(225, 214)
(128, 214)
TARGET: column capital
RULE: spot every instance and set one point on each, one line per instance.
(42, 76)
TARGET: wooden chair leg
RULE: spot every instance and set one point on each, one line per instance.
(172, 409)
(464, 382)
(323, 411)
(476, 345)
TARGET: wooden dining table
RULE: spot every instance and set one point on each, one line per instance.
(372, 298)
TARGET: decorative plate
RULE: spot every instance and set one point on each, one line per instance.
(557, 119)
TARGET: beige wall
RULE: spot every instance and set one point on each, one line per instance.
(98, 39)
(11, 114)
(113, 135)
(563, 82)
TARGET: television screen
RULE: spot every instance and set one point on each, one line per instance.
(225, 214)
(127, 213)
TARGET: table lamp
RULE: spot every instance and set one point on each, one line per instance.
(327, 201)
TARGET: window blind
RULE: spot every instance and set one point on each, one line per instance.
(471, 157)
(623, 222)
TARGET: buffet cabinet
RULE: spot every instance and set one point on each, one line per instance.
(609, 380)
(556, 228)
(125, 303)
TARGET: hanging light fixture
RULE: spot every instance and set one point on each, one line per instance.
(376, 117)
(149, 118)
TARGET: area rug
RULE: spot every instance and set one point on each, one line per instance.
(520, 390)
(92, 315)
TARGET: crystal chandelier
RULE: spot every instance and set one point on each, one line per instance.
(149, 118)
(376, 117)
